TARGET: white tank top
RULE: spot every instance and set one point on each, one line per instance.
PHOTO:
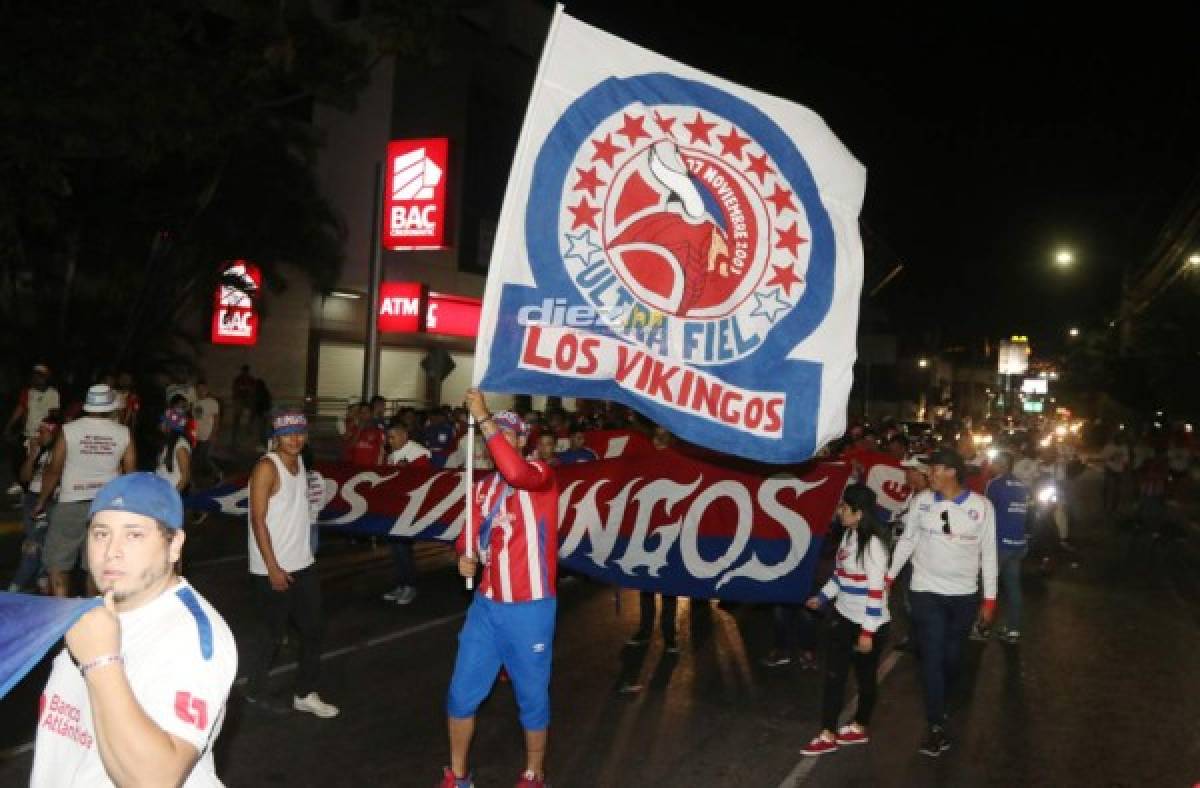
(288, 522)
(94, 450)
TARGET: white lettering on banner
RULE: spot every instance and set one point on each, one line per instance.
(669, 493)
(358, 504)
(798, 531)
(657, 514)
(602, 536)
(573, 354)
(408, 523)
(689, 542)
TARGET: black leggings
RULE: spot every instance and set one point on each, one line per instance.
(843, 635)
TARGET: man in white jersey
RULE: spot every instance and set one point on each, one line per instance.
(282, 572)
(950, 534)
(138, 695)
(88, 453)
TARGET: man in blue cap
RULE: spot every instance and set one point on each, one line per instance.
(138, 695)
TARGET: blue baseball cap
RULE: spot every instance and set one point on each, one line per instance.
(141, 493)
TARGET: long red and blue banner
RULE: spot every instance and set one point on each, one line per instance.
(660, 521)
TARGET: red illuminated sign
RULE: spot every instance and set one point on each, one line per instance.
(400, 311)
(235, 320)
(400, 307)
(453, 315)
(414, 200)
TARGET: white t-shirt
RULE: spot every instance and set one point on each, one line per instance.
(180, 659)
(409, 452)
(205, 412)
(173, 474)
(952, 563)
(289, 518)
(38, 405)
(95, 447)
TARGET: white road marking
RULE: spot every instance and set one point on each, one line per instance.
(806, 764)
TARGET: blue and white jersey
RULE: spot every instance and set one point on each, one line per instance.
(1010, 499)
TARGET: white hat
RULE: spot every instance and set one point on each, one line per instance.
(917, 463)
(100, 399)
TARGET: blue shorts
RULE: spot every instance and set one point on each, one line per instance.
(516, 635)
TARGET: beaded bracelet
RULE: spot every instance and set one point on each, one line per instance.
(107, 659)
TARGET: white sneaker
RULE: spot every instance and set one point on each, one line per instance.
(15, 489)
(313, 704)
(395, 594)
(407, 594)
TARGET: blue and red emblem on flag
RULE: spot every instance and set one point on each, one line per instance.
(680, 244)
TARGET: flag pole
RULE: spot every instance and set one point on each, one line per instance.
(468, 502)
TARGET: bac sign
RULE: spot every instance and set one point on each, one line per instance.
(414, 199)
(235, 320)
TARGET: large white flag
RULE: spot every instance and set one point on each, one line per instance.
(678, 243)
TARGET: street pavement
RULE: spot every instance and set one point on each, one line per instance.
(1103, 690)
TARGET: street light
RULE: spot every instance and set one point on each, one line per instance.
(1074, 332)
(1194, 259)
(1064, 257)
(923, 363)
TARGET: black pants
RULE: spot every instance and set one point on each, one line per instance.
(943, 623)
(646, 618)
(794, 628)
(840, 653)
(302, 603)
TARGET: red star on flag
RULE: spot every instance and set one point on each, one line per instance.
(588, 181)
(606, 150)
(782, 199)
(789, 239)
(584, 214)
(665, 124)
(759, 166)
(633, 128)
(699, 129)
(732, 143)
(785, 277)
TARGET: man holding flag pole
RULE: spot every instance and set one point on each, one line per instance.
(510, 623)
(670, 241)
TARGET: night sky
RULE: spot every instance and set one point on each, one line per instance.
(990, 137)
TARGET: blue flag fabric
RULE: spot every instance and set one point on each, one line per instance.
(29, 627)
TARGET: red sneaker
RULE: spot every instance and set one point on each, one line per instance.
(848, 734)
(450, 781)
(819, 746)
(531, 780)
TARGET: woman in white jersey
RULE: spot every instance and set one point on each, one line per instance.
(859, 625)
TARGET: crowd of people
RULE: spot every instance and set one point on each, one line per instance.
(951, 558)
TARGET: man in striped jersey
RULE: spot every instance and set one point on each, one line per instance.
(510, 622)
